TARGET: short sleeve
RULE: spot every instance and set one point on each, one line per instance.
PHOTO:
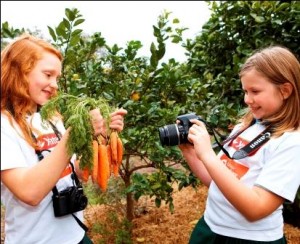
(281, 172)
(12, 155)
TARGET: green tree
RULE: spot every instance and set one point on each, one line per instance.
(234, 30)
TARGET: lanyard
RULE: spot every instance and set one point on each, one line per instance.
(248, 149)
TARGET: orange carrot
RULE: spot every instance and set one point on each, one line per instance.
(115, 169)
(95, 161)
(116, 164)
(108, 147)
(114, 145)
(119, 150)
(103, 167)
(85, 174)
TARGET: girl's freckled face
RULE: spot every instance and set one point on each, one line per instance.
(43, 78)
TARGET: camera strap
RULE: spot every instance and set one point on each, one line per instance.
(73, 176)
(248, 149)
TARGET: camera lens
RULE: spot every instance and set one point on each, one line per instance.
(169, 135)
(78, 201)
(82, 202)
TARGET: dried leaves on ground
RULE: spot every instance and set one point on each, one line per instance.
(158, 226)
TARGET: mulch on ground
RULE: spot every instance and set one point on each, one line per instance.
(157, 225)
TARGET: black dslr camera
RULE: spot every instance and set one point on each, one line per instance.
(69, 200)
(175, 134)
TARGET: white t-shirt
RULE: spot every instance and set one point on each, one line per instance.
(34, 224)
(275, 167)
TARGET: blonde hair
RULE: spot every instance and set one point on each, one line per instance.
(17, 60)
(279, 65)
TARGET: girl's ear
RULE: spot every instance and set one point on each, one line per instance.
(286, 90)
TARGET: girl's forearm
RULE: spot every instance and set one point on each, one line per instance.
(197, 167)
(36, 182)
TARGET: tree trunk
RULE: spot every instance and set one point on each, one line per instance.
(130, 207)
(129, 198)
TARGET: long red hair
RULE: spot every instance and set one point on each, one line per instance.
(17, 59)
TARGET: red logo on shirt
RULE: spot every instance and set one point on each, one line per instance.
(47, 141)
(238, 143)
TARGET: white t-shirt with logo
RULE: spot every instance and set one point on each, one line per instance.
(274, 167)
(34, 224)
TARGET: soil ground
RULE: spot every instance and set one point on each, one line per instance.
(158, 226)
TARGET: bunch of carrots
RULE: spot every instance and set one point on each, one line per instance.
(99, 158)
(107, 160)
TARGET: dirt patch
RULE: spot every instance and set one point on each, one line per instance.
(158, 226)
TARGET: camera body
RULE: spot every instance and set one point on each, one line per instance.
(175, 134)
(70, 200)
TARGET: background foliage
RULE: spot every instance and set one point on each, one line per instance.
(155, 92)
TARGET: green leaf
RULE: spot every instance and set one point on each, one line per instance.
(67, 24)
(157, 202)
(176, 21)
(78, 22)
(52, 33)
(77, 32)
(258, 19)
(282, 7)
(70, 14)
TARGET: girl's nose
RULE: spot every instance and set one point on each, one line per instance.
(248, 99)
(54, 84)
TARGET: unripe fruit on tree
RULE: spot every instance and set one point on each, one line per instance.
(135, 96)
(75, 77)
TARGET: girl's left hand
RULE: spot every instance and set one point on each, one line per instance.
(97, 121)
(200, 138)
(117, 119)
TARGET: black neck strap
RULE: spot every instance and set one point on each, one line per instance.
(253, 146)
(248, 149)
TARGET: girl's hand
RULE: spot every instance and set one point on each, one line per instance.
(117, 119)
(188, 151)
(97, 121)
(200, 138)
(186, 147)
